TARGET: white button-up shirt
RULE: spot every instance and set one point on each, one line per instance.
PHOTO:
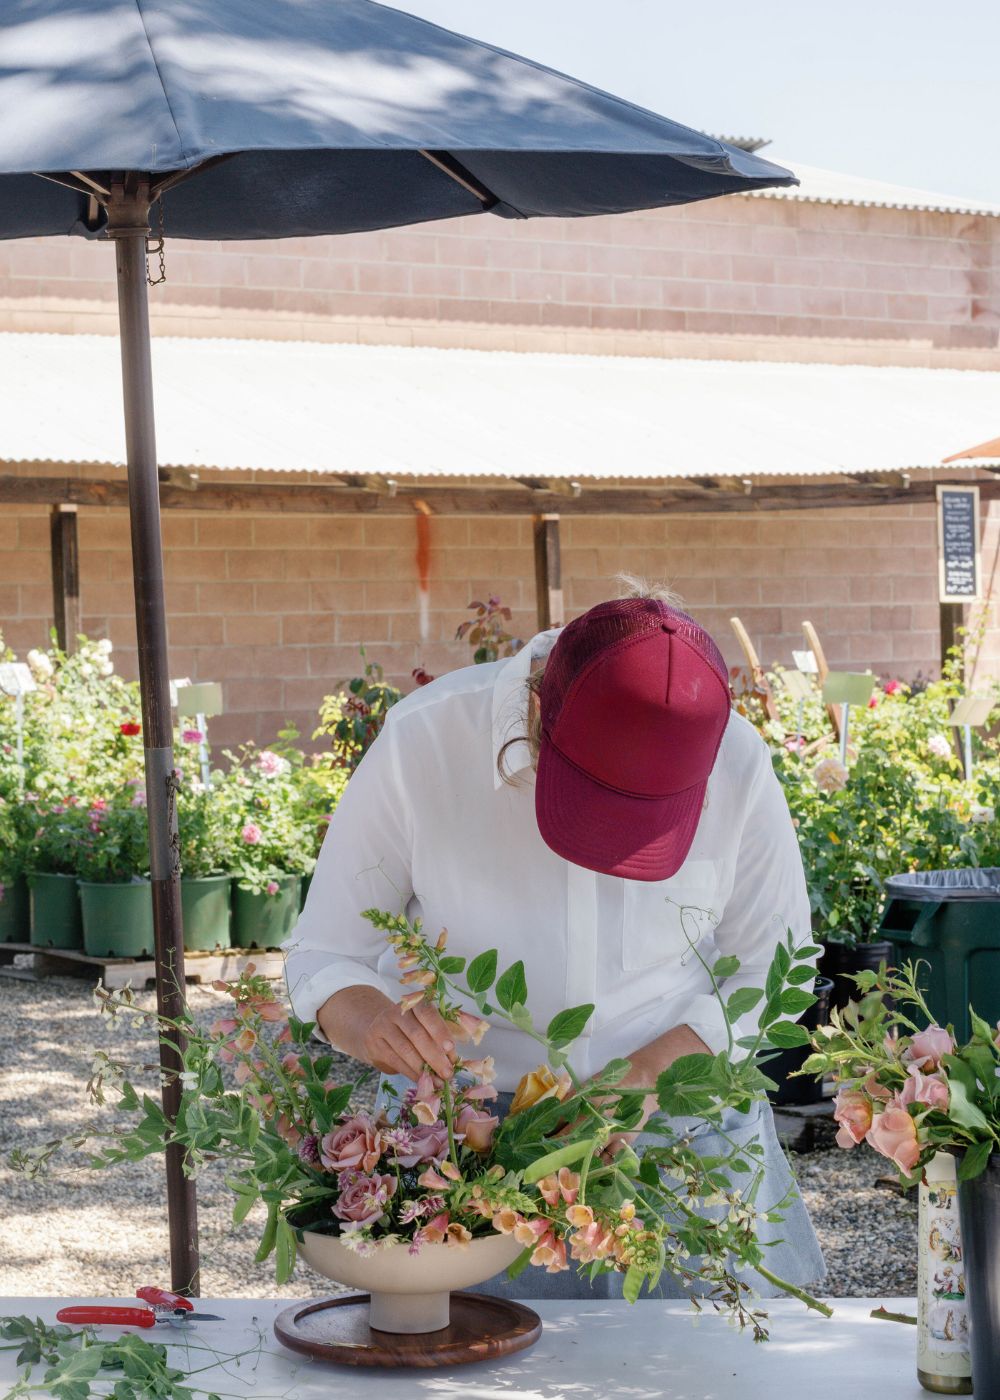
(426, 824)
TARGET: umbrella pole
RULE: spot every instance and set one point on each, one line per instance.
(128, 225)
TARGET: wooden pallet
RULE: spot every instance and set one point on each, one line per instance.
(140, 972)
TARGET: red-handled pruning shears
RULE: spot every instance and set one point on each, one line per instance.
(165, 1309)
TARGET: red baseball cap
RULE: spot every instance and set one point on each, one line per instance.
(634, 703)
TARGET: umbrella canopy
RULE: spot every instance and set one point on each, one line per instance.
(267, 119)
(332, 116)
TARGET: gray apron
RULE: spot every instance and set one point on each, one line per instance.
(792, 1252)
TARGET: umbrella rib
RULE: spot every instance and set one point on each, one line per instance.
(457, 172)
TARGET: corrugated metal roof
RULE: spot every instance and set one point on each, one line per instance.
(818, 186)
(386, 410)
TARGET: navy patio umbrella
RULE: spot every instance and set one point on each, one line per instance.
(230, 119)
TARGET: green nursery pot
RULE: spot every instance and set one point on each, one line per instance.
(15, 919)
(56, 921)
(117, 919)
(206, 908)
(264, 920)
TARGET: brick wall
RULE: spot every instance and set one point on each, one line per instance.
(743, 276)
(275, 608)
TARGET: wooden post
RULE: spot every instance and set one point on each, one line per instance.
(65, 575)
(548, 572)
(757, 673)
(822, 670)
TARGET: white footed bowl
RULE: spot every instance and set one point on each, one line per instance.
(410, 1292)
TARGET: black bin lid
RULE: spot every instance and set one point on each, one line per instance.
(946, 886)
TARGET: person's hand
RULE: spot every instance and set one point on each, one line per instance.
(368, 1025)
(647, 1064)
(404, 1042)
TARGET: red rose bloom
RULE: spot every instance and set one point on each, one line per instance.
(130, 727)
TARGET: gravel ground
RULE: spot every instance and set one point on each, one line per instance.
(83, 1232)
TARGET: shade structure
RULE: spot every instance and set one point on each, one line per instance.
(320, 116)
(267, 119)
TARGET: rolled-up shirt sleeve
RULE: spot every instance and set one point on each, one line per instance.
(364, 862)
(768, 898)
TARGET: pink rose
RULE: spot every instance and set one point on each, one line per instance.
(251, 834)
(426, 1143)
(891, 687)
(928, 1089)
(363, 1199)
(928, 1048)
(272, 887)
(477, 1128)
(192, 736)
(270, 764)
(853, 1111)
(894, 1133)
(355, 1144)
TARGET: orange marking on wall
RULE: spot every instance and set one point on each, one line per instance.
(423, 565)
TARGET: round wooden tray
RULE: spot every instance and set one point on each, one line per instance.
(336, 1329)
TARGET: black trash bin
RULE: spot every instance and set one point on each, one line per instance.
(951, 920)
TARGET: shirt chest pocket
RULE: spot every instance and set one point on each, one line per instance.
(662, 920)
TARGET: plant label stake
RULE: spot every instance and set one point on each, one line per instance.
(201, 700)
(847, 688)
(798, 686)
(971, 712)
(16, 680)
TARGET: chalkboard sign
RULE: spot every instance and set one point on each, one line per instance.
(958, 543)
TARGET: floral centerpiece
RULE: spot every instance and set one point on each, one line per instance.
(436, 1172)
(910, 1090)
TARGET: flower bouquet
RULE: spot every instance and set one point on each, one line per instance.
(423, 1182)
(908, 1089)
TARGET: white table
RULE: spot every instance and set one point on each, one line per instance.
(587, 1351)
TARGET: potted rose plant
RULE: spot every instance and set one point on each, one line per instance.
(432, 1192)
(54, 845)
(206, 882)
(270, 844)
(14, 916)
(910, 1090)
(113, 869)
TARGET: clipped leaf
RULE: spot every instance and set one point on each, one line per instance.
(744, 999)
(267, 1239)
(799, 975)
(450, 965)
(568, 1024)
(284, 1247)
(974, 1161)
(810, 950)
(725, 967)
(482, 972)
(689, 1086)
(787, 1034)
(520, 1263)
(512, 989)
(794, 1001)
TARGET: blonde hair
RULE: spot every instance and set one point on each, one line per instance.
(630, 586)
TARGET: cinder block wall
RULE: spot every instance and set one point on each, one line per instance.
(743, 277)
(276, 608)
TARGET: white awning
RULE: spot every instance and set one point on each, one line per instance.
(391, 411)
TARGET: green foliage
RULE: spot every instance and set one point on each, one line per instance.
(905, 804)
(352, 718)
(79, 1365)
